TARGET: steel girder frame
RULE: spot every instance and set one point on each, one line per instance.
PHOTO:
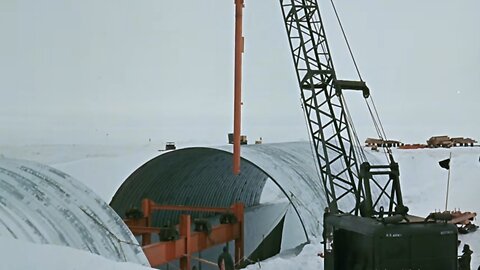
(188, 242)
(324, 110)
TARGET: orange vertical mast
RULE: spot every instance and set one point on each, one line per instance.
(237, 107)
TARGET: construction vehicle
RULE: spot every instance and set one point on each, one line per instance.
(366, 224)
(464, 221)
(243, 139)
(170, 146)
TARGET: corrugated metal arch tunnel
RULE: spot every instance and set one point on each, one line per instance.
(43, 205)
(202, 176)
(191, 176)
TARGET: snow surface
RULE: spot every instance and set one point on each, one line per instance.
(104, 168)
(21, 255)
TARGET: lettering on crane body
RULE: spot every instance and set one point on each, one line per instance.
(393, 235)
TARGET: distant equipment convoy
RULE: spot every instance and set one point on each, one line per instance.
(434, 142)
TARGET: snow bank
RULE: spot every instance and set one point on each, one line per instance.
(20, 255)
(105, 173)
(424, 182)
(306, 259)
(424, 185)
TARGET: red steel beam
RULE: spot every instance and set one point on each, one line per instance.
(163, 252)
(140, 227)
(238, 210)
(136, 230)
(189, 208)
(185, 227)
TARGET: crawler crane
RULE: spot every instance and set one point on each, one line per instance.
(366, 224)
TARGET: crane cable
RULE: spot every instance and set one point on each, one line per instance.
(312, 146)
(346, 40)
(379, 127)
(373, 113)
(349, 118)
(358, 149)
(353, 133)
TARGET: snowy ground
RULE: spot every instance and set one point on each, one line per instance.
(20, 255)
(104, 167)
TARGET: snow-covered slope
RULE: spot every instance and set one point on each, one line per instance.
(21, 255)
(424, 182)
(424, 185)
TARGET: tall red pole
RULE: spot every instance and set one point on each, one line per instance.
(237, 107)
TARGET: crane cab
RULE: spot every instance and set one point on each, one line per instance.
(353, 242)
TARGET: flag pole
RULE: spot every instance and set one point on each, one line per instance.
(448, 181)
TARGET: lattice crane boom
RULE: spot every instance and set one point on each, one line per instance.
(324, 109)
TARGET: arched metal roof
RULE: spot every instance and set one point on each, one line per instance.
(43, 205)
(203, 177)
(191, 176)
(291, 166)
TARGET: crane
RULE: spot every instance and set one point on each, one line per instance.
(366, 224)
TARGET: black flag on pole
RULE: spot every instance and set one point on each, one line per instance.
(445, 164)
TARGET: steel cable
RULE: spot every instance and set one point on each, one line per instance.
(373, 113)
(346, 40)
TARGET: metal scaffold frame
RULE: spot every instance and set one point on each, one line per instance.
(187, 242)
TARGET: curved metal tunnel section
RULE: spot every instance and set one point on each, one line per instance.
(43, 205)
(191, 176)
(203, 177)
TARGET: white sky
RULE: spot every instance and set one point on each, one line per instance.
(75, 71)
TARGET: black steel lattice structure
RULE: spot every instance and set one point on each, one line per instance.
(348, 190)
(324, 109)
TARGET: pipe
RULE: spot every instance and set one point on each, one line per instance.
(237, 107)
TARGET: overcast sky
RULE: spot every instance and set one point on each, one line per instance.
(124, 71)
